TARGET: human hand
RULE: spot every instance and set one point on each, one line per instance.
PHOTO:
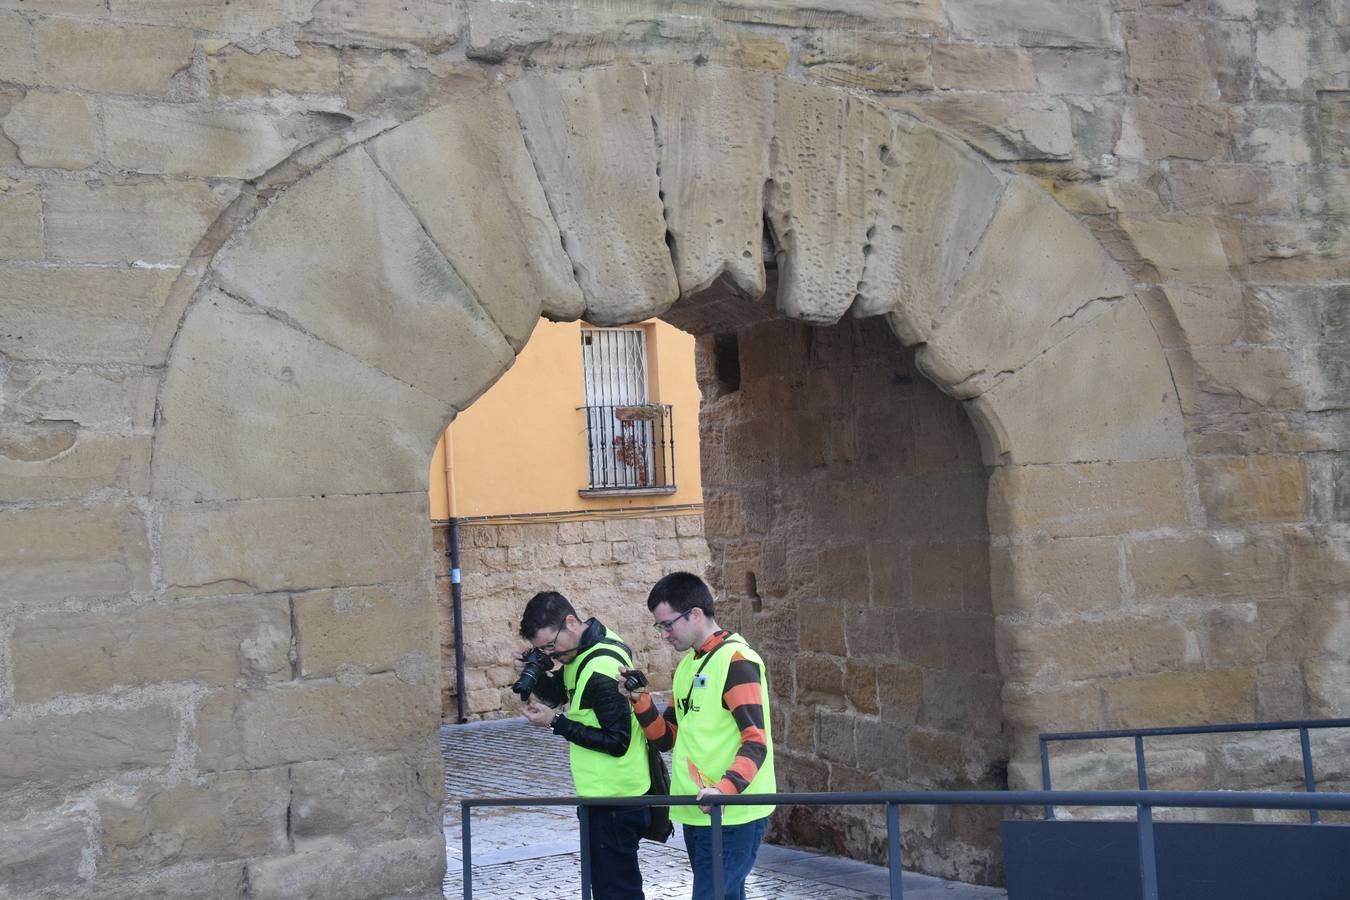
(518, 661)
(539, 714)
(634, 693)
(704, 792)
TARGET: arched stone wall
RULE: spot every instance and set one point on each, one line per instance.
(359, 305)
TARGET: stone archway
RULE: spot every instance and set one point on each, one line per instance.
(311, 373)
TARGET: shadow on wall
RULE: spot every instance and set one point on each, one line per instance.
(845, 512)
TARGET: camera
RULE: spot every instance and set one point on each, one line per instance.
(633, 680)
(537, 662)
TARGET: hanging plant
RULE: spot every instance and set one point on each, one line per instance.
(641, 412)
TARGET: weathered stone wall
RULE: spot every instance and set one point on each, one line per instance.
(254, 256)
(853, 552)
(605, 566)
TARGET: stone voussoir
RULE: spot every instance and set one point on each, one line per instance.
(465, 172)
(590, 136)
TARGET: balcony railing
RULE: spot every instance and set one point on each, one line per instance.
(631, 449)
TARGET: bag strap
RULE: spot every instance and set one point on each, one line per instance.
(729, 639)
(595, 651)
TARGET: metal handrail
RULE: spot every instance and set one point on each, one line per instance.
(1143, 800)
(1141, 767)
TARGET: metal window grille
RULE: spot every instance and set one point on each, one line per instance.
(631, 446)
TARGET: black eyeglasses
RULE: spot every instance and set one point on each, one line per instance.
(668, 624)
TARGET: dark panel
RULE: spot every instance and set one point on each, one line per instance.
(1055, 860)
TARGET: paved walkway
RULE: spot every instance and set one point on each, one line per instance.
(533, 854)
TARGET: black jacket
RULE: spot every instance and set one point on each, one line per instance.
(601, 694)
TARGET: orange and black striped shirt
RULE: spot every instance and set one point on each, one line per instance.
(742, 696)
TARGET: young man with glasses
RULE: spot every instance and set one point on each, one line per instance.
(608, 752)
(717, 725)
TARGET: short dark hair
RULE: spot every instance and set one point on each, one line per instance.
(681, 591)
(547, 609)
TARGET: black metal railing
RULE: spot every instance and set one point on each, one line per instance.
(1141, 766)
(630, 448)
(1144, 801)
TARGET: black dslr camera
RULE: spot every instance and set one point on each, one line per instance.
(537, 662)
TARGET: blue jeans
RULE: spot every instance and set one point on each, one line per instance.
(615, 832)
(740, 843)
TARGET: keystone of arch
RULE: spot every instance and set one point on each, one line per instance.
(339, 329)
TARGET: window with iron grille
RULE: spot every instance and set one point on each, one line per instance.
(630, 443)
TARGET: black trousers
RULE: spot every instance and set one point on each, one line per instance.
(615, 832)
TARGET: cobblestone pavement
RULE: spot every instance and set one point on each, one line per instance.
(533, 854)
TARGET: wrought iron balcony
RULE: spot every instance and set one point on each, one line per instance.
(631, 449)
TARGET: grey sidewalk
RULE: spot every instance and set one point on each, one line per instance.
(534, 853)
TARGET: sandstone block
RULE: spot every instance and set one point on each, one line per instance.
(371, 628)
(133, 220)
(233, 815)
(1212, 566)
(1054, 23)
(590, 136)
(1022, 127)
(1057, 577)
(295, 544)
(860, 687)
(74, 53)
(16, 49)
(485, 210)
(1293, 251)
(1179, 698)
(212, 641)
(48, 316)
(1088, 499)
(1077, 708)
(43, 851)
(834, 738)
(116, 399)
(249, 16)
(59, 553)
(412, 867)
(1091, 649)
(311, 720)
(381, 271)
(185, 139)
(55, 131)
(390, 84)
(59, 461)
(81, 747)
(234, 73)
(20, 220)
(882, 748)
(868, 61)
(1157, 129)
(877, 15)
(941, 199)
(1283, 59)
(369, 425)
(1333, 124)
(1252, 489)
(870, 632)
(823, 197)
(1273, 135)
(713, 185)
(431, 24)
(1167, 58)
(978, 67)
(1063, 406)
(366, 801)
(1077, 71)
(1032, 282)
(1181, 248)
(819, 681)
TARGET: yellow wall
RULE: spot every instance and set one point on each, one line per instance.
(521, 447)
